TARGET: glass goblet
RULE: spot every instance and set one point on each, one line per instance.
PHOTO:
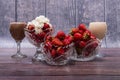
(17, 32)
(99, 29)
(37, 41)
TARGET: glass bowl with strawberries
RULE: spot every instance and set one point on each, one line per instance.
(58, 49)
(35, 32)
(86, 45)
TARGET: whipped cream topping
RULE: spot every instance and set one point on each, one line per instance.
(38, 23)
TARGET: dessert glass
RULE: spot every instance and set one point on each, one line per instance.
(87, 53)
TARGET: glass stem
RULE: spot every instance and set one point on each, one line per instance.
(18, 47)
(39, 49)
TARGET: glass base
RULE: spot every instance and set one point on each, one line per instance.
(38, 57)
(83, 59)
(18, 56)
(100, 55)
(52, 63)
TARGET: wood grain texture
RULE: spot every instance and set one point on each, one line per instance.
(113, 21)
(106, 68)
(61, 14)
(99, 68)
(91, 77)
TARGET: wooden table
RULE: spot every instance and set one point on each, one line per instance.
(107, 68)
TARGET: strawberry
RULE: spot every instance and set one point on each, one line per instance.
(86, 53)
(49, 38)
(70, 38)
(82, 27)
(41, 36)
(92, 36)
(57, 42)
(82, 44)
(81, 31)
(31, 27)
(46, 26)
(60, 51)
(48, 45)
(74, 30)
(61, 35)
(86, 35)
(66, 42)
(77, 36)
(53, 53)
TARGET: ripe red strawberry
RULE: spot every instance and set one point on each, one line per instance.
(41, 35)
(49, 38)
(82, 27)
(57, 42)
(60, 51)
(46, 26)
(69, 38)
(48, 45)
(74, 30)
(66, 42)
(82, 44)
(81, 31)
(77, 36)
(31, 27)
(86, 35)
(86, 53)
(61, 35)
(92, 36)
(53, 53)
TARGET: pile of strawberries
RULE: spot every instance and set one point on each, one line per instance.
(39, 37)
(57, 45)
(81, 38)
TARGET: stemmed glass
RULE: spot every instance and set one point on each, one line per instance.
(99, 29)
(37, 41)
(17, 32)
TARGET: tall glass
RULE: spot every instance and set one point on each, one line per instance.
(17, 32)
(99, 29)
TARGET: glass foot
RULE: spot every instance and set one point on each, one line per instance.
(100, 55)
(38, 57)
(18, 56)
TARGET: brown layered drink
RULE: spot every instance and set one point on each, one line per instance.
(17, 30)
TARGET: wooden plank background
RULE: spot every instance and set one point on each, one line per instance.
(63, 14)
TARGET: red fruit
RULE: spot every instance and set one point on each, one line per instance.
(46, 26)
(31, 27)
(41, 35)
(48, 45)
(60, 51)
(82, 44)
(86, 35)
(74, 30)
(57, 42)
(70, 38)
(82, 27)
(61, 35)
(53, 53)
(81, 31)
(66, 42)
(49, 38)
(86, 53)
(92, 36)
(77, 36)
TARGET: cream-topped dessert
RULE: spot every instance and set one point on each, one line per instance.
(38, 28)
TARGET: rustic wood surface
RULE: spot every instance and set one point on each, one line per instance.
(106, 68)
(63, 14)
